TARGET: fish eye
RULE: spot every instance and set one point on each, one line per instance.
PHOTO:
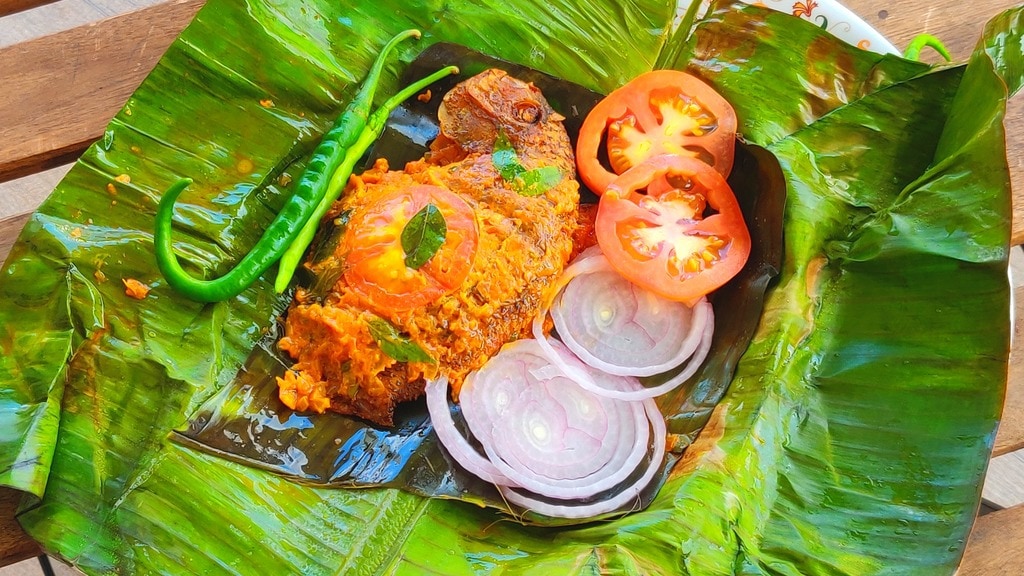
(527, 111)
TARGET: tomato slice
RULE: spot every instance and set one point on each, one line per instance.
(660, 112)
(682, 239)
(375, 266)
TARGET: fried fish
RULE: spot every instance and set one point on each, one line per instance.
(370, 342)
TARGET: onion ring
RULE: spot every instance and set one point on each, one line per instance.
(452, 439)
(545, 438)
(626, 495)
(618, 327)
(515, 457)
(693, 346)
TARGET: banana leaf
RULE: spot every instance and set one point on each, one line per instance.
(246, 422)
(853, 438)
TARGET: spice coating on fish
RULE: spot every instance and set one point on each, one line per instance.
(522, 245)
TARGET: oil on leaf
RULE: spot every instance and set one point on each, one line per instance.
(852, 440)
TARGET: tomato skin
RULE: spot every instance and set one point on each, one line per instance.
(662, 240)
(633, 120)
(375, 262)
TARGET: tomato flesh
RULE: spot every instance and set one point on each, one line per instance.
(375, 264)
(660, 112)
(675, 124)
(668, 240)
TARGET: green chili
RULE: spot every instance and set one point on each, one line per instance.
(913, 51)
(310, 189)
(374, 127)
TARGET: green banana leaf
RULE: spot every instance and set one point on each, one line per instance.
(246, 422)
(852, 440)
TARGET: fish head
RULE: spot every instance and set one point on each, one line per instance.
(475, 111)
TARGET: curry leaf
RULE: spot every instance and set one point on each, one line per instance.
(505, 159)
(423, 236)
(537, 181)
(526, 182)
(852, 441)
(395, 344)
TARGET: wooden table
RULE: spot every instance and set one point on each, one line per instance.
(50, 119)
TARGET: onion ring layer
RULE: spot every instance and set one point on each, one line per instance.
(619, 328)
(546, 438)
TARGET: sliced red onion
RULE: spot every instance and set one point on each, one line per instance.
(531, 439)
(503, 388)
(692, 348)
(693, 363)
(453, 441)
(524, 458)
(548, 438)
(625, 496)
(566, 444)
(616, 326)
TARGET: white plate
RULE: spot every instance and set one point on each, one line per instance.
(833, 17)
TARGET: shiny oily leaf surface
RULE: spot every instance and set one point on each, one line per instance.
(247, 423)
(852, 440)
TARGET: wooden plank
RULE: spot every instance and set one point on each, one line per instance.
(1004, 481)
(1014, 123)
(1010, 436)
(996, 545)
(9, 230)
(959, 26)
(19, 198)
(62, 15)
(986, 508)
(26, 194)
(49, 118)
(15, 545)
(62, 90)
(12, 6)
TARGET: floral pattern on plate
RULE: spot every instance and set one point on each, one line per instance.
(833, 17)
